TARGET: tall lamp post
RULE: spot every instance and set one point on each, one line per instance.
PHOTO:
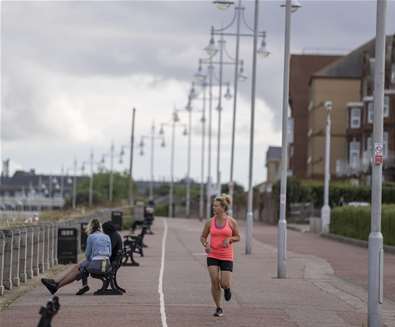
(202, 79)
(174, 123)
(290, 6)
(152, 138)
(74, 201)
(262, 51)
(376, 253)
(130, 185)
(326, 210)
(211, 50)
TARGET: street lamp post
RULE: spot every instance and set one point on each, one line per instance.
(130, 193)
(110, 190)
(75, 185)
(249, 219)
(210, 74)
(91, 162)
(376, 253)
(188, 200)
(238, 14)
(326, 210)
(290, 6)
(152, 137)
(173, 124)
(192, 96)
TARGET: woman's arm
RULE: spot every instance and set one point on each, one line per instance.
(88, 249)
(205, 232)
(235, 231)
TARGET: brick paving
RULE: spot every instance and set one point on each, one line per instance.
(349, 262)
(313, 295)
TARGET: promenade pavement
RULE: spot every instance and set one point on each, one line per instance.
(319, 290)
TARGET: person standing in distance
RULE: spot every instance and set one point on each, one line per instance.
(223, 231)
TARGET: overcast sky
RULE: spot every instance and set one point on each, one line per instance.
(71, 72)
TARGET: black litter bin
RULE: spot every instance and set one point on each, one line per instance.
(67, 245)
(84, 236)
(117, 219)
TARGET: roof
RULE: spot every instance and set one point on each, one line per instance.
(351, 65)
(273, 153)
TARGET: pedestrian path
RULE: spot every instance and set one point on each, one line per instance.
(312, 295)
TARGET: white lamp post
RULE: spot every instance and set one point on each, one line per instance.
(326, 210)
(290, 6)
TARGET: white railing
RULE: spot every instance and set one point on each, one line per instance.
(345, 169)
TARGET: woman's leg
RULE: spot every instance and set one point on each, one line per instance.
(70, 277)
(215, 284)
(226, 277)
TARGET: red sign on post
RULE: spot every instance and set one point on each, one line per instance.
(378, 154)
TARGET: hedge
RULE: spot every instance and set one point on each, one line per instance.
(355, 222)
(312, 191)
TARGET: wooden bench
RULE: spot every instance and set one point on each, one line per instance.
(109, 278)
(133, 244)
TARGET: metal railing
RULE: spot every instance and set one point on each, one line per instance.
(30, 250)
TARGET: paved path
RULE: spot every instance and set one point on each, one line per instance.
(349, 262)
(312, 296)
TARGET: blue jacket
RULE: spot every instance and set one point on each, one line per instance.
(97, 244)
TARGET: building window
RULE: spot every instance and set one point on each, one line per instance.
(354, 154)
(355, 118)
(385, 144)
(369, 144)
(386, 106)
(370, 112)
(386, 109)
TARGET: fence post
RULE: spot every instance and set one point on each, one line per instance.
(41, 256)
(2, 245)
(7, 275)
(30, 252)
(23, 255)
(36, 251)
(51, 245)
(47, 245)
(55, 235)
(16, 257)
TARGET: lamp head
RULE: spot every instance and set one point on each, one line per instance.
(295, 5)
(328, 105)
(223, 4)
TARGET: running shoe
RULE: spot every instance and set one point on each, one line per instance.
(219, 312)
(227, 294)
(82, 290)
(50, 284)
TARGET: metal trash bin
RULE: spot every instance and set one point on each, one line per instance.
(117, 219)
(67, 245)
(84, 235)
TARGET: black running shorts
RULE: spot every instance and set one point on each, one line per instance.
(224, 265)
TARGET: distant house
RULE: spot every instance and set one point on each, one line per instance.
(347, 81)
(273, 163)
(303, 66)
(31, 191)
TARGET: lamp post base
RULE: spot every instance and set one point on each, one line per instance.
(375, 280)
(282, 249)
(325, 218)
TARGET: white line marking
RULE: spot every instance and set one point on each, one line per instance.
(160, 286)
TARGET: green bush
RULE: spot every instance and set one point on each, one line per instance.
(355, 222)
(312, 191)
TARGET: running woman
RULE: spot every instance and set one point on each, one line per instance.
(224, 231)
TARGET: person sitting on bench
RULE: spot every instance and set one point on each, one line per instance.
(97, 252)
(115, 237)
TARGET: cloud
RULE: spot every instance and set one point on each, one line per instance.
(72, 71)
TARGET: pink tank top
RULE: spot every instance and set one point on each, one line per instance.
(217, 237)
